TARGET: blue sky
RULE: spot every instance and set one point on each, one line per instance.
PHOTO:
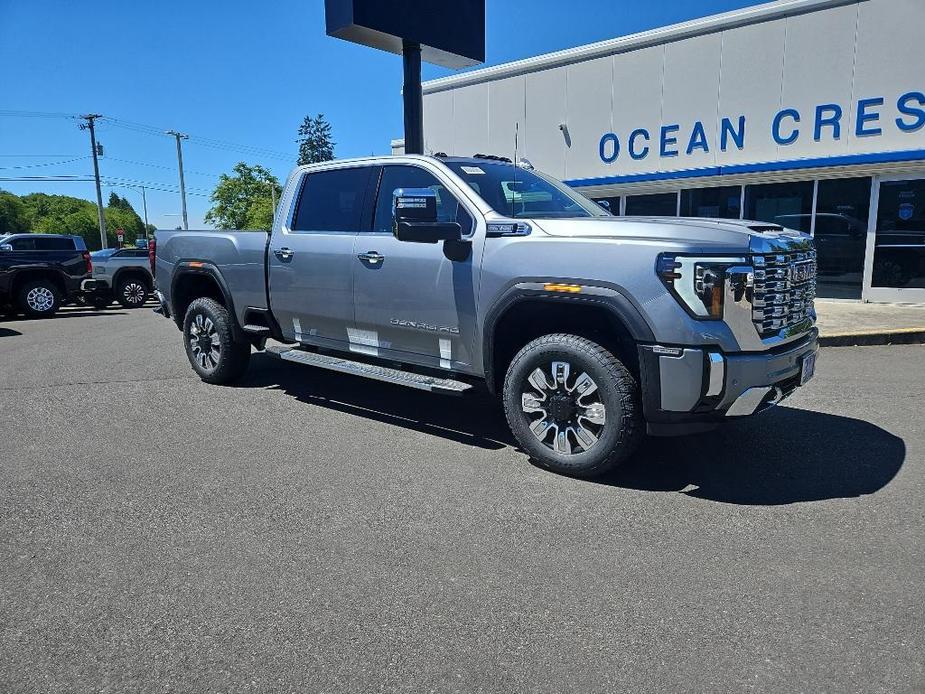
(241, 73)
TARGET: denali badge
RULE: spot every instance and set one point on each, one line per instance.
(417, 325)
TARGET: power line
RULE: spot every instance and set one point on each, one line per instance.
(111, 182)
(160, 166)
(51, 163)
(36, 114)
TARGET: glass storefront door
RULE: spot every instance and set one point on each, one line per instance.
(896, 261)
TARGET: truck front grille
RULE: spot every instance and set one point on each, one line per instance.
(784, 290)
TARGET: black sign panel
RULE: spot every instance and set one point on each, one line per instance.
(451, 33)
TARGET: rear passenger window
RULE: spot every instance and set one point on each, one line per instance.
(332, 200)
(51, 243)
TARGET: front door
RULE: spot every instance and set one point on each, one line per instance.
(311, 258)
(896, 248)
(413, 301)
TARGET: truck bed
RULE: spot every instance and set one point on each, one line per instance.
(238, 257)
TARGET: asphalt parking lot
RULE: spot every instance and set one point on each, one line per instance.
(311, 532)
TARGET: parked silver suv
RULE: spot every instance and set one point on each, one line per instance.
(447, 273)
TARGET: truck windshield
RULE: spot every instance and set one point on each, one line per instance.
(517, 192)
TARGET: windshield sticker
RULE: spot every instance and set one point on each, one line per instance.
(472, 169)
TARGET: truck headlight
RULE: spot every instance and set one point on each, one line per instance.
(698, 283)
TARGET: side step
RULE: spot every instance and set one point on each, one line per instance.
(409, 379)
(256, 329)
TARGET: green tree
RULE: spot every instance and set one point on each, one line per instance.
(315, 142)
(13, 214)
(243, 200)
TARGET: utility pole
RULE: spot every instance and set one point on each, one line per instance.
(144, 203)
(90, 117)
(181, 136)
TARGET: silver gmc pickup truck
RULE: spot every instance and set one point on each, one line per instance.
(447, 273)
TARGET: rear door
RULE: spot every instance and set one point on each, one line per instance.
(311, 257)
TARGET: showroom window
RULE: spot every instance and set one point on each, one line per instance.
(787, 204)
(612, 204)
(656, 205)
(840, 232)
(899, 255)
(721, 201)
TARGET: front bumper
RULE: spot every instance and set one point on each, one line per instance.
(690, 389)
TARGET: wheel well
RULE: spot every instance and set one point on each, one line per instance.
(144, 277)
(532, 318)
(191, 286)
(28, 275)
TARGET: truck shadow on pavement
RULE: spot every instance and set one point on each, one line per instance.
(8, 332)
(784, 456)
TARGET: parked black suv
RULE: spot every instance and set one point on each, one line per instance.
(40, 272)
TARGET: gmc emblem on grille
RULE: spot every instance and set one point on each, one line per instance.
(802, 271)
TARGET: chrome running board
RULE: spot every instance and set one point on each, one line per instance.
(408, 379)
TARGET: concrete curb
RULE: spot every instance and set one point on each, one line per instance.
(906, 336)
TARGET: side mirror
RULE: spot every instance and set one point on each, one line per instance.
(414, 217)
(6, 247)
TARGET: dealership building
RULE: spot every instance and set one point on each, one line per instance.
(805, 113)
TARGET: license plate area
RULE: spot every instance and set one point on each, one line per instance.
(807, 367)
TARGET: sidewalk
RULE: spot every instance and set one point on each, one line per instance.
(843, 323)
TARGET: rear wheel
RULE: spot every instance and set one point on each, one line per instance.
(132, 292)
(39, 298)
(572, 405)
(211, 347)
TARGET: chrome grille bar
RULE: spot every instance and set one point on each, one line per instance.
(784, 290)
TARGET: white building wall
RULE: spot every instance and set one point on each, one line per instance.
(838, 55)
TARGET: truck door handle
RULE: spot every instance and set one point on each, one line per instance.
(284, 254)
(372, 257)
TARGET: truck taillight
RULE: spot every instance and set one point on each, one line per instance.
(152, 253)
(88, 261)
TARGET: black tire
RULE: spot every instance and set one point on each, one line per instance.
(39, 298)
(132, 292)
(573, 406)
(208, 325)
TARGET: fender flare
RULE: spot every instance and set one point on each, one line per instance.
(607, 296)
(183, 269)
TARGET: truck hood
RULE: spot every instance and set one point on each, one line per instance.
(739, 236)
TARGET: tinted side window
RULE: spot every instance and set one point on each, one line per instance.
(130, 253)
(50, 243)
(25, 244)
(332, 200)
(448, 207)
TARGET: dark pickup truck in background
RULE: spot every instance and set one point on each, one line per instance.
(41, 272)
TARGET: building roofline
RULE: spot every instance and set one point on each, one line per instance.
(624, 44)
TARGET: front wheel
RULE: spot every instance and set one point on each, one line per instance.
(39, 298)
(211, 347)
(572, 405)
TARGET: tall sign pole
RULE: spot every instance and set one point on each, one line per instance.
(413, 98)
(181, 136)
(89, 125)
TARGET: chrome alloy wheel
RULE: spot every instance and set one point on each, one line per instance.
(134, 293)
(40, 299)
(566, 413)
(205, 342)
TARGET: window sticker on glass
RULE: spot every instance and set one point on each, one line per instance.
(472, 170)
